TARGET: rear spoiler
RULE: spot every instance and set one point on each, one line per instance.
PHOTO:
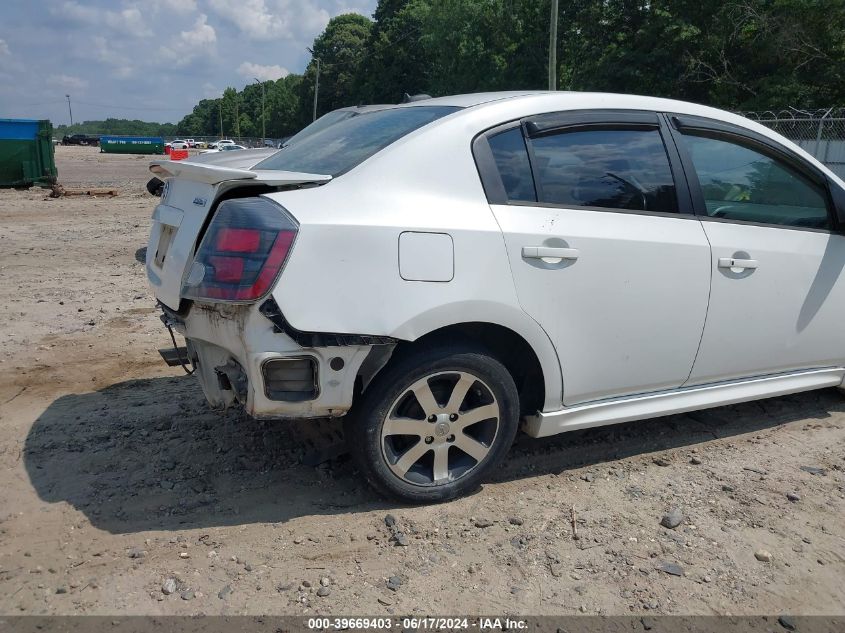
(213, 174)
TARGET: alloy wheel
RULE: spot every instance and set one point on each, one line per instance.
(440, 428)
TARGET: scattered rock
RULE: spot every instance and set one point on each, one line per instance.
(793, 496)
(184, 555)
(670, 568)
(787, 622)
(390, 521)
(661, 461)
(695, 461)
(323, 592)
(136, 552)
(224, 592)
(188, 594)
(727, 488)
(61, 589)
(394, 582)
(324, 581)
(168, 586)
(814, 470)
(515, 520)
(483, 523)
(384, 601)
(764, 556)
(306, 583)
(400, 539)
(588, 477)
(672, 519)
(371, 537)
(247, 567)
(647, 623)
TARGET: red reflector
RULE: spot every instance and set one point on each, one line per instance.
(238, 240)
(227, 270)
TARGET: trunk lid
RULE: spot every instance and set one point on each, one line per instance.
(189, 195)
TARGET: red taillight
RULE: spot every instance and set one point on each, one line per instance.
(238, 240)
(243, 251)
(227, 270)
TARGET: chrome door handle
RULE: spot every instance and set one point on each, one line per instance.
(539, 252)
(730, 262)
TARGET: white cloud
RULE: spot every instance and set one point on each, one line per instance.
(128, 21)
(264, 73)
(252, 17)
(67, 82)
(177, 6)
(4, 49)
(198, 41)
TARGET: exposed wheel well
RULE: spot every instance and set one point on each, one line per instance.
(505, 345)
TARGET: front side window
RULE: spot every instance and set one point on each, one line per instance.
(618, 169)
(740, 183)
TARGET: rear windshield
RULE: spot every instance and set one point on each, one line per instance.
(341, 146)
(320, 124)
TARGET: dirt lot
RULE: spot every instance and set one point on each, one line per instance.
(116, 482)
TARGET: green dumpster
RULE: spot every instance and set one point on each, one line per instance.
(26, 153)
(132, 144)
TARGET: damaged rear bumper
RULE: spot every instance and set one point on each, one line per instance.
(241, 357)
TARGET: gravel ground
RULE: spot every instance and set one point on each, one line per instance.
(121, 493)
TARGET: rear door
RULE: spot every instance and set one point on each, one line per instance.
(778, 292)
(605, 252)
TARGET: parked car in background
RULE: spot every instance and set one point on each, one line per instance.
(226, 147)
(201, 145)
(179, 144)
(440, 270)
(217, 144)
(191, 142)
(81, 139)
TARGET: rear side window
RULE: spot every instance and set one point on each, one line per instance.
(740, 183)
(511, 158)
(618, 169)
(343, 145)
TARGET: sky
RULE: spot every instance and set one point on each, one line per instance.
(149, 59)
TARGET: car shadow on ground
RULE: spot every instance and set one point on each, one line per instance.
(149, 455)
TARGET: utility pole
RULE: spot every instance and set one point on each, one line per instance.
(220, 111)
(316, 87)
(263, 121)
(237, 120)
(553, 47)
(69, 109)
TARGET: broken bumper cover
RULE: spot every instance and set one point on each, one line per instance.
(241, 357)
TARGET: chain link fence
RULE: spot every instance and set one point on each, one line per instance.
(818, 132)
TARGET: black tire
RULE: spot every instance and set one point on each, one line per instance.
(363, 426)
(155, 186)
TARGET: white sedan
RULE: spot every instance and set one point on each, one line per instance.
(226, 147)
(438, 271)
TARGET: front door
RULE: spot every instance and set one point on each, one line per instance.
(777, 301)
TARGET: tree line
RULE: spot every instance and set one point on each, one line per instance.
(116, 127)
(733, 54)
